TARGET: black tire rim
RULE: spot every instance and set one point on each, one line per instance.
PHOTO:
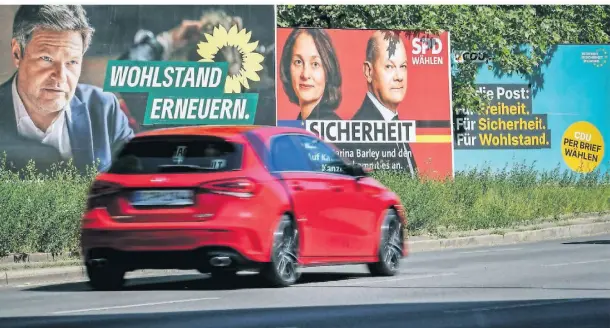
(286, 250)
(391, 252)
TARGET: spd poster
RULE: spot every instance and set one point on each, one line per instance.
(382, 97)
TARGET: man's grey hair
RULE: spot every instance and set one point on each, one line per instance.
(51, 17)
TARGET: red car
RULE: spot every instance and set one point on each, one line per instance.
(222, 199)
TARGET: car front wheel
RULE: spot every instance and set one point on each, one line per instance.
(390, 246)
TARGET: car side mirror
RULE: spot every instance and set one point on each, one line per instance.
(358, 171)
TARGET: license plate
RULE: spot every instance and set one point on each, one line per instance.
(162, 198)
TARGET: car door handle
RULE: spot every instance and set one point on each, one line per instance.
(336, 188)
(296, 186)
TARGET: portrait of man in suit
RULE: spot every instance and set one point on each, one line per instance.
(46, 115)
(385, 71)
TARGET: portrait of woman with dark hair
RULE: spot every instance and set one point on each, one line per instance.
(309, 70)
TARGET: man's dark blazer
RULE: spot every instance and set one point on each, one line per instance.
(97, 128)
(368, 112)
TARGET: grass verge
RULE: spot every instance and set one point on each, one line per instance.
(509, 198)
(40, 211)
(39, 265)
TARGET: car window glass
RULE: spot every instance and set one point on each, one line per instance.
(286, 156)
(177, 154)
(322, 157)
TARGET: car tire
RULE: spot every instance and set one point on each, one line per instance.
(106, 277)
(283, 270)
(390, 246)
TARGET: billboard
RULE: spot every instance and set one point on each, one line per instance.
(382, 97)
(80, 95)
(557, 120)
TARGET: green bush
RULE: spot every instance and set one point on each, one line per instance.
(483, 199)
(40, 212)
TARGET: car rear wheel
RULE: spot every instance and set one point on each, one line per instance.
(283, 270)
(390, 247)
(105, 276)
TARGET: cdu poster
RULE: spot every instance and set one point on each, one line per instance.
(559, 119)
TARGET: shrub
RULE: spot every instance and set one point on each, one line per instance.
(483, 199)
(40, 212)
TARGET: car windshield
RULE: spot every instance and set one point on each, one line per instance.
(177, 154)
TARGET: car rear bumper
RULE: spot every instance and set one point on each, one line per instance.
(181, 245)
(204, 259)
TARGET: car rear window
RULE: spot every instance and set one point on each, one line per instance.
(177, 154)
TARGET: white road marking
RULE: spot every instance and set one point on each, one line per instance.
(491, 250)
(571, 263)
(398, 279)
(503, 307)
(136, 305)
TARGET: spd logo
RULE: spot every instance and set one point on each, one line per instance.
(424, 46)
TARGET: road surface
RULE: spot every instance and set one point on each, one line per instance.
(555, 284)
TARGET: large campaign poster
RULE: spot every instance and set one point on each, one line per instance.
(559, 119)
(117, 70)
(382, 97)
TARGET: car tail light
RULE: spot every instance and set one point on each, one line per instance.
(239, 187)
(100, 193)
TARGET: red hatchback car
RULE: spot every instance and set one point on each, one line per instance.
(228, 198)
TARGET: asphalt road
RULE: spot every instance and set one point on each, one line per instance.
(550, 284)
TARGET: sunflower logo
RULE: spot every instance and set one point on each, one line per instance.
(229, 42)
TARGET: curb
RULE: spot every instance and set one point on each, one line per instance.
(32, 276)
(510, 238)
(75, 273)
